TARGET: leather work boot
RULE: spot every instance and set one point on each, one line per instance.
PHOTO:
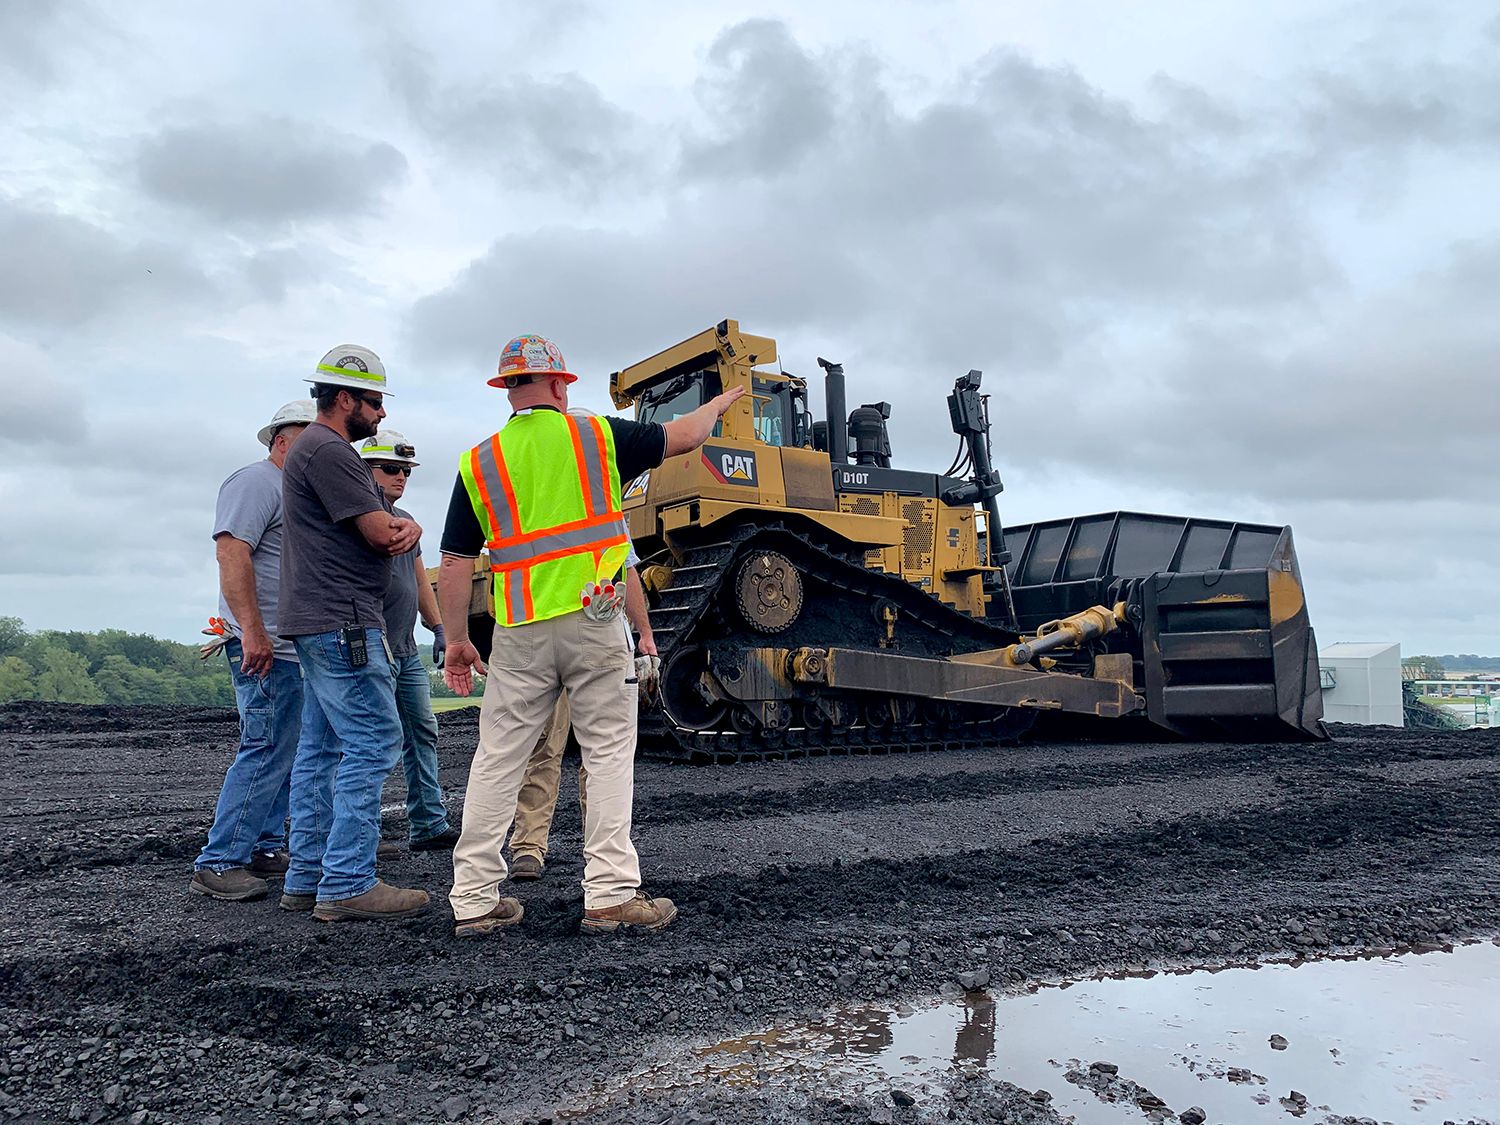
(442, 842)
(526, 868)
(380, 902)
(387, 849)
(299, 904)
(639, 913)
(234, 885)
(507, 912)
(270, 863)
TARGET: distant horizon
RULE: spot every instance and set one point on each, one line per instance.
(28, 627)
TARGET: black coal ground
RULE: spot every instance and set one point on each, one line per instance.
(803, 885)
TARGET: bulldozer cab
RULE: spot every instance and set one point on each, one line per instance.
(766, 462)
(677, 381)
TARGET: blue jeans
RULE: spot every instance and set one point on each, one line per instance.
(425, 815)
(351, 737)
(251, 813)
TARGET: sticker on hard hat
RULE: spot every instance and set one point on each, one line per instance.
(730, 466)
(536, 357)
(353, 361)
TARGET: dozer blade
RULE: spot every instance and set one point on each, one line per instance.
(1221, 634)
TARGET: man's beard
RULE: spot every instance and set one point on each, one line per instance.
(359, 428)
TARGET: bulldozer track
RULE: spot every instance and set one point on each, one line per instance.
(689, 613)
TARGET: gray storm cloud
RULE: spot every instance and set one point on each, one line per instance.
(543, 134)
(267, 173)
(62, 271)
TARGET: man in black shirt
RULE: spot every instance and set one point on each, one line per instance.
(340, 537)
(543, 495)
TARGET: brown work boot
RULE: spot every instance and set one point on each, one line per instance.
(234, 885)
(299, 904)
(507, 912)
(526, 868)
(387, 849)
(638, 913)
(380, 902)
(270, 863)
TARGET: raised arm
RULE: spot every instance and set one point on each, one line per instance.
(687, 433)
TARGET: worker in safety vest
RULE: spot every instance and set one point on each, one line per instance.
(543, 495)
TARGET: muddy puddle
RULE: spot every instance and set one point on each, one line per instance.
(1410, 1038)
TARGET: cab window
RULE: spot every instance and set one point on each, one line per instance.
(682, 396)
(773, 411)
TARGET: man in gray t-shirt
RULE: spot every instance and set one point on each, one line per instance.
(392, 458)
(248, 837)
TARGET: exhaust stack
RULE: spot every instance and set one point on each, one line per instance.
(838, 412)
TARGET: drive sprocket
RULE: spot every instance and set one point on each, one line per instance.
(768, 592)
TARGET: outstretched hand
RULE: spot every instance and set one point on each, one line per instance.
(723, 402)
(460, 664)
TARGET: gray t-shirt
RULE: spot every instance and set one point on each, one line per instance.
(249, 508)
(401, 600)
(330, 577)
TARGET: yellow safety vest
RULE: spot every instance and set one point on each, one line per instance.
(546, 491)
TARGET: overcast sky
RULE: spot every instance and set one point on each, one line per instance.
(1235, 260)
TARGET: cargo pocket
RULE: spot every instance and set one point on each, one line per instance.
(256, 726)
(514, 649)
(603, 646)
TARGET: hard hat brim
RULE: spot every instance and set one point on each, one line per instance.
(268, 433)
(391, 457)
(565, 376)
(347, 384)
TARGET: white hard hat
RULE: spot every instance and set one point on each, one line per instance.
(350, 365)
(388, 445)
(581, 412)
(298, 412)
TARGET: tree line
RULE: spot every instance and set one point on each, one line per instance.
(108, 666)
(113, 666)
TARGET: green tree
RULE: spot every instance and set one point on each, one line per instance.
(64, 678)
(120, 681)
(16, 680)
(13, 636)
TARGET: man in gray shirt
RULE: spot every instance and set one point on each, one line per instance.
(393, 458)
(340, 538)
(248, 837)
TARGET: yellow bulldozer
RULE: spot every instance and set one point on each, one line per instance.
(809, 598)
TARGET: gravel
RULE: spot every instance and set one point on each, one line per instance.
(802, 885)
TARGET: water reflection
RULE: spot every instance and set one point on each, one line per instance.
(1412, 1038)
(975, 1041)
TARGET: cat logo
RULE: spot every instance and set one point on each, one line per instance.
(637, 487)
(730, 466)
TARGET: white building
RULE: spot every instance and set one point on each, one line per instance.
(1362, 683)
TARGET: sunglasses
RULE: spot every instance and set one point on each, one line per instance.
(375, 403)
(392, 470)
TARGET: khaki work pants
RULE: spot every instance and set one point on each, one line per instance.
(538, 798)
(529, 667)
